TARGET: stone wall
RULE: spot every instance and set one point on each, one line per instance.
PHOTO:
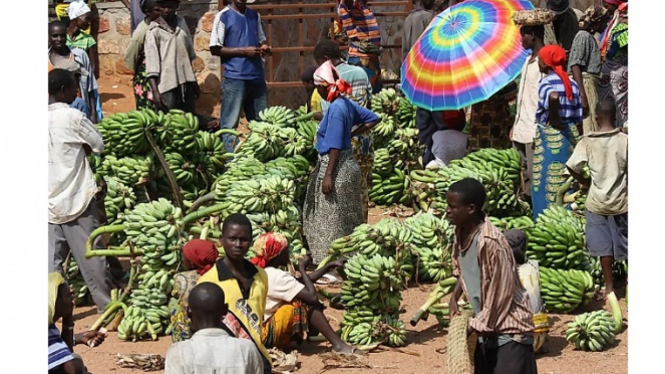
(114, 36)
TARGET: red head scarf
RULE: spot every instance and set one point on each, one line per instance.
(327, 76)
(555, 57)
(268, 246)
(201, 253)
(615, 2)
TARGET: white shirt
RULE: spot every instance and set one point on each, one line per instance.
(71, 184)
(524, 129)
(282, 288)
(213, 351)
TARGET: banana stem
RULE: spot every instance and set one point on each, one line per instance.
(177, 196)
(442, 289)
(98, 232)
(561, 192)
(196, 230)
(201, 201)
(117, 252)
(305, 117)
(202, 213)
(227, 132)
(110, 309)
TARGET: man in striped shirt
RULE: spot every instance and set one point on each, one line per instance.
(488, 276)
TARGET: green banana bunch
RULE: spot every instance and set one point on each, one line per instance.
(563, 291)
(386, 102)
(139, 323)
(130, 171)
(389, 188)
(513, 223)
(294, 143)
(178, 133)
(593, 331)
(508, 159)
(124, 133)
(384, 131)
(156, 228)
(373, 282)
(185, 171)
(263, 142)
(307, 129)
(211, 154)
(422, 188)
(406, 114)
(76, 281)
(119, 199)
(431, 239)
(279, 116)
(557, 244)
(383, 165)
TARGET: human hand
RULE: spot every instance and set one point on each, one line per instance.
(251, 52)
(265, 49)
(159, 102)
(327, 184)
(453, 307)
(304, 262)
(91, 338)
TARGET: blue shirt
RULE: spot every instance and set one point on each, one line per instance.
(334, 131)
(234, 30)
(58, 352)
(570, 111)
(81, 105)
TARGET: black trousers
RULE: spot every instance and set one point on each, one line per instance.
(510, 358)
(428, 123)
(181, 97)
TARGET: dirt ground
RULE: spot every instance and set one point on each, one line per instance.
(425, 352)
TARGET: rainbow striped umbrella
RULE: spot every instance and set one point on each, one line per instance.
(468, 53)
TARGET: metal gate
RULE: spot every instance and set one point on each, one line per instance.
(277, 14)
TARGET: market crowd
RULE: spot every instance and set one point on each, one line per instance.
(571, 109)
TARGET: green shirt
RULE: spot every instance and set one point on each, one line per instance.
(82, 41)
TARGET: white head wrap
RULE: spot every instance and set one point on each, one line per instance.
(76, 9)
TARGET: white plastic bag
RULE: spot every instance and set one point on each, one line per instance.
(530, 278)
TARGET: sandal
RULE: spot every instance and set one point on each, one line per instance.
(327, 279)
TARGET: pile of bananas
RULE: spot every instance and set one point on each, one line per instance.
(137, 324)
(384, 131)
(130, 171)
(156, 229)
(185, 171)
(433, 303)
(178, 132)
(266, 141)
(563, 291)
(119, 199)
(75, 280)
(406, 114)
(211, 154)
(279, 116)
(557, 240)
(513, 223)
(387, 101)
(388, 188)
(593, 331)
(431, 238)
(150, 299)
(124, 133)
(379, 329)
(490, 158)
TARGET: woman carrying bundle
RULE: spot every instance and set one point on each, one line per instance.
(333, 206)
(292, 305)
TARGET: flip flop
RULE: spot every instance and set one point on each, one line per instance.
(329, 279)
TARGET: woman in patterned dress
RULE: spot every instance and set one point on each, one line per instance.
(558, 115)
(199, 256)
(614, 49)
(333, 206)
(135, 56)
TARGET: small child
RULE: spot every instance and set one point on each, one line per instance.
(313, 97)
(606, 153)
(530, 278)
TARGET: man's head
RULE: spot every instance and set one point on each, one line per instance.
(606, 112)
(57, 35)
(325, 50)
(207, 307)
(465, 200)
(151, 9)
(79, 13)
(241, 5)
(236, 236)
(308, 77)
(428, 4)
(532, 34)
(517, 240)
(168, 8)
(559, 7)
(62, 87)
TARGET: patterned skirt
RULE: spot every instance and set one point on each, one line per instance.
(142, 93)
(184, 282)
(363, 150)
(288, 322)
(552, 149)
(337, 214)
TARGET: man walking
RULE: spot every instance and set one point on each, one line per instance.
(415, 24)
(238, 39)
(524, 129)
(211, 349)
(489, 278)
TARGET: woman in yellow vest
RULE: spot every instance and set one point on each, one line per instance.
(245, 285)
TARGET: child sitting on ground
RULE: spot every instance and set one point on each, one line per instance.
(606, 153)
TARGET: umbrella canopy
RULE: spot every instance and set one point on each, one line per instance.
(467, 54)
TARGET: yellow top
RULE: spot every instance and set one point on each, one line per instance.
(315, 102)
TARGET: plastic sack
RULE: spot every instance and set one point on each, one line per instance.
(530, 277)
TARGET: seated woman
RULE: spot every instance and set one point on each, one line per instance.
(292, 305)
(61, 360)
(198, 257)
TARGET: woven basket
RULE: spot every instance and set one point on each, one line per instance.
(460, 349)
(535, 17)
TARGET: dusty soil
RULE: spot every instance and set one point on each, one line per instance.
(427, 341)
